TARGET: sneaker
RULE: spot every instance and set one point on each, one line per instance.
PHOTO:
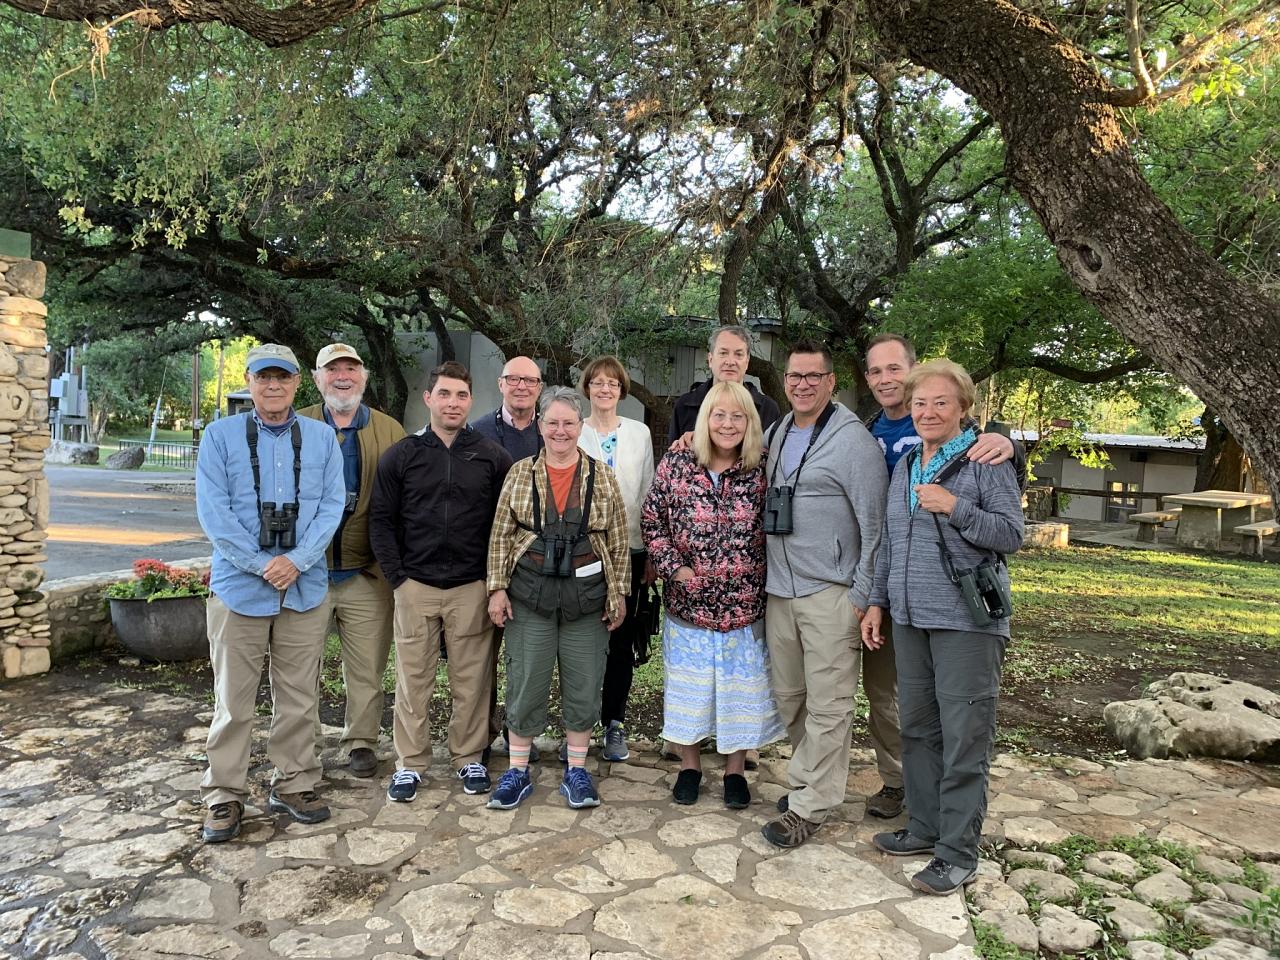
(941, 878)
(614, 747)
(901, 843)
(404, 786)
(578, 789)
(305, 807)
(362, 762)
(513, 787)
(222, 823)
(475, 778)
(789, 830)
(685, 791)
(886, 804)
(737, 795)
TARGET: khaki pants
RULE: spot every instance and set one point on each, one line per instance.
(880, 681)
(420, 614)
(362, 607)
(237, 646)
(813, 661)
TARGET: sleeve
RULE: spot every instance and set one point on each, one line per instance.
(315, 540)
(1019, 460)
(503, 535)
(501, 470)
(384, 516)
(867, 488)
(673, 432)
(214, 510)
(619, 540)
(880, 582)
(655, 523)
(994, 523)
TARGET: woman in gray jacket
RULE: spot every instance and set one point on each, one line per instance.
(941, 574)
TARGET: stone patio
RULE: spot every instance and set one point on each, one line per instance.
(99, 855)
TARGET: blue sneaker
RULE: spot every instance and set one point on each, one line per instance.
(578, 789)
(513, 787)
(404, 786)
(475, 778)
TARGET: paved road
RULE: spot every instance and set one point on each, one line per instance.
(102, 520)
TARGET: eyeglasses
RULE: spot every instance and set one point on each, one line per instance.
(720, 417)
(273, 377)
(562, 424)
(511, 381)
(812, 379)
(603, 384)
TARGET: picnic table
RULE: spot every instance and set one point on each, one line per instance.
(1211, 516)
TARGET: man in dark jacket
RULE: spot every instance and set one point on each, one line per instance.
(728, 354)
(433, 506)
(359, 596)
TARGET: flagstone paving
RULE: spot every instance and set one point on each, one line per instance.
(100, 856)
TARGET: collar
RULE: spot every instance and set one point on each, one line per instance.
(293, 415)
(359, 422)
(510, 421)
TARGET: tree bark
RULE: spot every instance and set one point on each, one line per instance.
(1223, 465)
(1068, 157)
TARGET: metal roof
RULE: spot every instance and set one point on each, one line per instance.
(1130, 441)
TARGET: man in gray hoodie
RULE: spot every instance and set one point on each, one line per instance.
(823, 516)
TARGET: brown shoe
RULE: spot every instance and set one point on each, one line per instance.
(789, 830)
(222, 823)
(304, 807)
(886, 804)
(363, 762)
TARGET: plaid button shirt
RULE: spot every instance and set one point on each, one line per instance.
(606, 529)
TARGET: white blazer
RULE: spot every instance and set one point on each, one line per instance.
(633, 467)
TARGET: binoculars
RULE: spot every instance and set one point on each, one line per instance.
(557, 561)
(987, 597)
(278, 525)
(777, 510)
(352, 499)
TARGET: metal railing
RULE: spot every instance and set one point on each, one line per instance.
(166, 453)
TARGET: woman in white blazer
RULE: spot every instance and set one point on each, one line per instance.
(626, 446)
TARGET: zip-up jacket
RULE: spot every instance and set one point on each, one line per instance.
(684, 413)
(1019, 460)
(433, 508)
(911, 578)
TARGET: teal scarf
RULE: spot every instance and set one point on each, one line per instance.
(955, 447)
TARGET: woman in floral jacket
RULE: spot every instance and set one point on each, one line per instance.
(703, 526)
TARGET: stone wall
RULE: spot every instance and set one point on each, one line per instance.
(24, 491)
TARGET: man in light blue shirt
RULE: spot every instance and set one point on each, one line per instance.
(269, 496)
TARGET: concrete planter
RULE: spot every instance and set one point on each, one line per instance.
(171, 628)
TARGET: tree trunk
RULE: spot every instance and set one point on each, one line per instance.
(1222, 465)
(1123, 248)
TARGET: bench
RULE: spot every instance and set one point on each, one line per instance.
(1253, 534)
(1148, 522)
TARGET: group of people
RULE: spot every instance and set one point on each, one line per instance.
(536, 531)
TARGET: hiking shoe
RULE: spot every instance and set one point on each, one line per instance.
(404, 786)
(789, 830)
(222, 822)
(305, 807)
(886, 804)
(686, 789)
(941, 878)
(362, 762)
(578, 790)
(475, 778)
(901, 843)
(614, 745)
(513, 787)
(737, 795)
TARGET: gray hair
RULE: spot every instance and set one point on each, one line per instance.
(565, 395)
(742, 333)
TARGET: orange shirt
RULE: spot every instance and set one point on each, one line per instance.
(561, 483)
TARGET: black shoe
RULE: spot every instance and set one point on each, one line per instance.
(486, 755)
(363, 762)
(305, 807)
(901, 843)
(686, 789)
(886, 804)
(737, 795)
(941, 878)
(222, 822)
(789, 830)
(784, 803)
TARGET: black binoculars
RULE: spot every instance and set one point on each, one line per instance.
(988, 598)
(557, 560)
(352, 499)
(278, 525)
(777, 510)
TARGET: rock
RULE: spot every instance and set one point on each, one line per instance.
(27, 278)
(1033, 858)
(129, 857)
(1017, 928)
(1103, 884)
(1061, 931)
(311, 895)
(996, 895)
(1218, 868)
(8, 362)
(539, 906)
(822, 877)
(1195, 714)
(1133, 920)
(1250, 826)
(1229, 949)
(294, 943)
(585, 879)
(1048, 886)
(1218, 918)
(131, 458)
(941, 915)
(859, 936)
(719, 862)
(692, 831)
(1163, 888)
(1033, 832)
(165, 943)
(634, 860)
(370, 845)
(64, 451)
(1147, 950)
(1238, 893)
(491, 940)
(438, 916)
(1113, 865)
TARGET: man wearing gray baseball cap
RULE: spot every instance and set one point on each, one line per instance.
(269, 496)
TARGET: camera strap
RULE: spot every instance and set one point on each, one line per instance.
(251, 437)
(586, 500)
(813, 438)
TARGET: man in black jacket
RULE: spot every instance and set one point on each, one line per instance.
(433, 505)
(728, 354)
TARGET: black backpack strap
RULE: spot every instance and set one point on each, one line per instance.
(585, 521)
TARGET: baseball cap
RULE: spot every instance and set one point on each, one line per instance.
(337, 351)
(268, 355)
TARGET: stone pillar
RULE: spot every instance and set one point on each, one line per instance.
(24, 491)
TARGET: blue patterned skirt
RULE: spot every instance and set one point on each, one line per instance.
(717, 685)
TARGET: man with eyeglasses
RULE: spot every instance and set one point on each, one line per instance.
(823, 513)
(269, 496)
(728, 355)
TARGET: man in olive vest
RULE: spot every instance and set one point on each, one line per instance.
(360, 599)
